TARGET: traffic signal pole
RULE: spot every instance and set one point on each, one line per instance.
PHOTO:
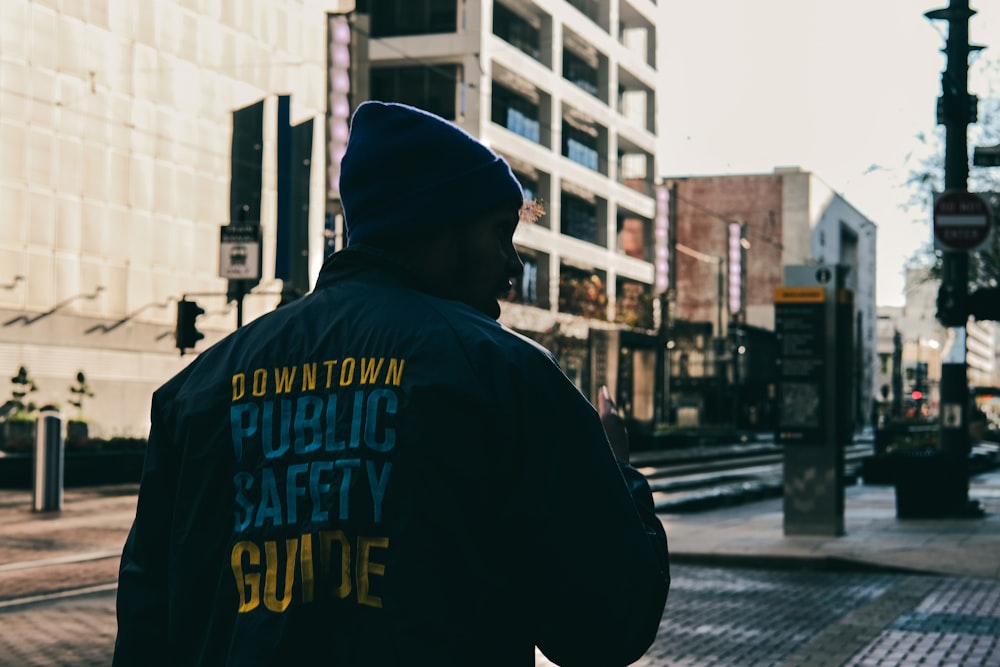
(955, 112)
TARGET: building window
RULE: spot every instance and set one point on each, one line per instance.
(884, 363)
(532, 286)
(634, 305)
(515, 113)
(580, 147)
(394, 18)
(433, 88)
(591, 9)
(528, 185)
(583, 292)
(536, 190)
(580, 73)
(579, 218)
(513, 29)
(634, 237)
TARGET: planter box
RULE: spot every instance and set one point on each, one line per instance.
(18, 433)
(77, 431)
(930, 485)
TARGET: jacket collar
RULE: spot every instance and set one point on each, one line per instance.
(362, 258)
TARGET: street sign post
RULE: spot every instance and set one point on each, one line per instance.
(239, 252)
(961, 221)
(986, 156)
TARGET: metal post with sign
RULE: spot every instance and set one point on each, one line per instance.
(239, 257)
(961, 221)
(813, 317)
(956, 110)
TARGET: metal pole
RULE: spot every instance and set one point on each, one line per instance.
(47, 487)
(720, 345)
(955, 265)
(722, 293)
(955, 114)
(897, 374)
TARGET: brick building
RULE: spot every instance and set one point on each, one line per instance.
(788, 217)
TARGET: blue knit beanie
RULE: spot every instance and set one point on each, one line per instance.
(408, 173)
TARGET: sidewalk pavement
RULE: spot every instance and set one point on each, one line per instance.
(753, 535)
(95, 520)
(855, 619)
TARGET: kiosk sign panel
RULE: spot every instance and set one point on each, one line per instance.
(800, 326)
(814, 330)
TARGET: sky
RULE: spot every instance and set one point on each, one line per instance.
(842, 89)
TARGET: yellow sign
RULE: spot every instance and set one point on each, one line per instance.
(799, 295)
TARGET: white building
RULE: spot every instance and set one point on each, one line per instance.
(115, 131)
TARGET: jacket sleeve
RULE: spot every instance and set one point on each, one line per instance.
(142, 606)
(601, 576)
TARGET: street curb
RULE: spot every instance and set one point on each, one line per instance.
(805, 563)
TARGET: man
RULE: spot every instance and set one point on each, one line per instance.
(381, 474)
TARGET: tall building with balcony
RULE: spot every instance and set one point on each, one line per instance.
(565, 90)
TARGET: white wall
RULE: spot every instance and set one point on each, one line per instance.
(115, 130)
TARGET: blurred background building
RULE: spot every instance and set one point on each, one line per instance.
(734, 234)
(911, 343)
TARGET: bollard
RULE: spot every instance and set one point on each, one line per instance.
(48, 461)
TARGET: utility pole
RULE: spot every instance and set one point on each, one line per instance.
(956, 110)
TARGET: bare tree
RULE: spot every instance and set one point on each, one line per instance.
(925, 165)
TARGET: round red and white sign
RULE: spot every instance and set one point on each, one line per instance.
(961, 221)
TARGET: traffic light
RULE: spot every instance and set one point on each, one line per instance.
(187, 334)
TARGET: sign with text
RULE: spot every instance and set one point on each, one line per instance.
(800, 327)
(961, 221)
(239, 252)
(814, 328)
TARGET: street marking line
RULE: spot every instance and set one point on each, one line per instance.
(46, 597)
(60, 560)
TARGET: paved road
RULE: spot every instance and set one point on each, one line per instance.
(715, 617)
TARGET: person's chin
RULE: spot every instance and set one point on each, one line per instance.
(487, 306)
(491, 308)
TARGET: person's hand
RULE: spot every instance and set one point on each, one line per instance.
(613, 423)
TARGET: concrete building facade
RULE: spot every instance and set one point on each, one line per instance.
(115, 128)
(565, 90)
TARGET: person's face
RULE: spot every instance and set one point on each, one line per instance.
(478, 263)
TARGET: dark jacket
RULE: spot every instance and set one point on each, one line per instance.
(380, 477)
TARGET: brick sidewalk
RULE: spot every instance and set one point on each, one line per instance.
(756, 597)
(715, 617)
